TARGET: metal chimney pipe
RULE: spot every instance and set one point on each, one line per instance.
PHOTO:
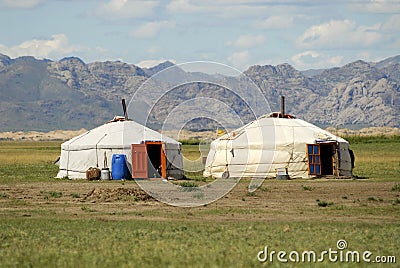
(282, 106)
(124, 108)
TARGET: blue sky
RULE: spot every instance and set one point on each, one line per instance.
(306, 34)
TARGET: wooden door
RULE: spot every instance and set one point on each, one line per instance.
(314, 159)
(139, 161)
(163, 162)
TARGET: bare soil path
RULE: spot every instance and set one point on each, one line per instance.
(278, 201)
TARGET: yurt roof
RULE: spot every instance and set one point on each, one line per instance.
(115, 134)
(268, 122)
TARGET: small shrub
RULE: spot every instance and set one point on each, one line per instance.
(396, 201)
(251, 194)
(56, 194)
(396, 188)
(51, 194)
(87, 209)
(264, 189)
(373, 198)
(198, 195)
(75, 195)
(253, 187)
(202, 179)
(355, 177)
(188, 186)
(324, 203)
(308, 188)
(3, 195)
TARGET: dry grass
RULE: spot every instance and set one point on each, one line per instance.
(28, 152)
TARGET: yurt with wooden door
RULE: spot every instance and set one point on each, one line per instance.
(149, 154)
(274, 143)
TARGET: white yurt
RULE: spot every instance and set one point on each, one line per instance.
(273, 145)
(96, 147)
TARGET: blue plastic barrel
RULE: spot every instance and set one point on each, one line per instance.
(119, 169)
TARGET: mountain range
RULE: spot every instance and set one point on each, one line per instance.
(46, 95)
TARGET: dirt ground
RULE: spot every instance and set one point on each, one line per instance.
(296, 200)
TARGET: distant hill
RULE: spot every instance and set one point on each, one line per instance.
(45, 95)
(387, 62)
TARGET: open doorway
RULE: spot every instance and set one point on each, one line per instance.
(327, 153)
(154, 163)
(321, 158)
(148, 160)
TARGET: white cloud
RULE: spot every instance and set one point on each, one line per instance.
(231, 9)
(393, 23)
(56, 46)
(339, 34)
(376, 6)
(247, 41)
(276, 22)
(151, 29)
(315, 60)
(185, 6)
(125, 9)
(152, 63)
(240, 59)
(153, 50)
(24, 4)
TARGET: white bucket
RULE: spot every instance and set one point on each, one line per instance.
(105, 174)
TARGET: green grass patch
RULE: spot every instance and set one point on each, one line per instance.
(188, 186)
(307, 188)
(11, 173)
(75, 195)
(264, 188)
(190, 142)
(377, 160)
(195, 176)
(356, 139)
(87, 209)
(143, 243)
(52, 194)
(28, 161)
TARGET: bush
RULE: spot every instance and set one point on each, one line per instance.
(396, 188)
(308, 188)
(373, 198)
(188, 186)
(324, 203)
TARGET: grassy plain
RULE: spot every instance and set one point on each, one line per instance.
(377, 157)
(46, 222)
